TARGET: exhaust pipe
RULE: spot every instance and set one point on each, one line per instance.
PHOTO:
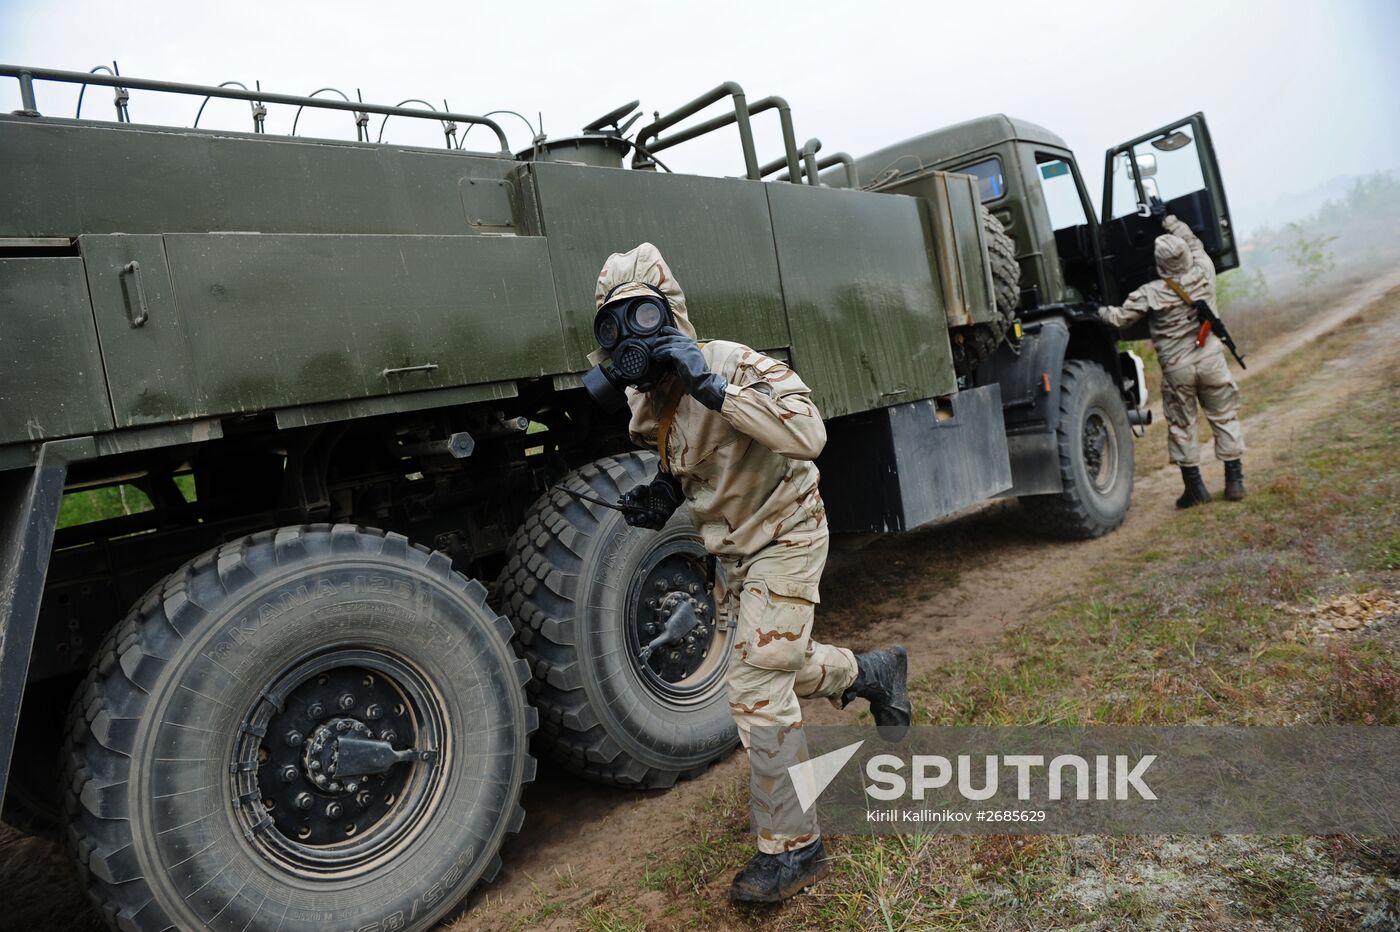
(1140, 417)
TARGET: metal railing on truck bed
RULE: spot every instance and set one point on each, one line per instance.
(258, 98)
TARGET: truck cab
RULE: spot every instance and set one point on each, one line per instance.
(1029, 179)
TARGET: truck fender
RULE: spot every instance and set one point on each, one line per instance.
(1029, 375)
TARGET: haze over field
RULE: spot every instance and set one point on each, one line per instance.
(1297, 93)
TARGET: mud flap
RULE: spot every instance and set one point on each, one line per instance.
(29, 503)
(897, 468)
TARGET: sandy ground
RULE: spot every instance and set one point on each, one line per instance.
(942, 591)
(963, 583)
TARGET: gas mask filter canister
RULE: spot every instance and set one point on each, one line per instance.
(626, 330)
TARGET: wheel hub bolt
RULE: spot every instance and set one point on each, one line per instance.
(293, 738)
(373, 712)
(305, 801)
(364, 797)
(693, 588)
(389, 735)
(289, 773)
(334, 810)
(351, 787)
(315, 710)
(314, 764)
(346, 702)
(679, 580)
(661, 585)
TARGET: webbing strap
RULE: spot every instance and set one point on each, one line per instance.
(1180, 291)
(668, 414)
(663, 430)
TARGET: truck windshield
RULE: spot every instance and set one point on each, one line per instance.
(990, 185)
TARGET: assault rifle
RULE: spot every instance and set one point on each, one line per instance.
(1210, 322)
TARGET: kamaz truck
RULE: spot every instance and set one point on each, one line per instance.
(300, 676)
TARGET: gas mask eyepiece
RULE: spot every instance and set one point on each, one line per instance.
(626, 330)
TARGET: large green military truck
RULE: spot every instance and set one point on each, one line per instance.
(297, 681)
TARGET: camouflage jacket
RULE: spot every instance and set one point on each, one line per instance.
(1172, 322)
(747, 469)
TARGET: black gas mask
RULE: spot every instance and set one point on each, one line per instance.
(626, 330)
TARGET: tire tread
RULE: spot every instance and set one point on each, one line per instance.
(97, 756)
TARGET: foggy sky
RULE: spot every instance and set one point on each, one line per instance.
(1296, 93)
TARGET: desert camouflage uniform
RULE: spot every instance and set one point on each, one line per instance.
(1190, 374)
(748, 477)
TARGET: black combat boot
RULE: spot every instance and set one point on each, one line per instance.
(883, 679)
(1196, 492)
(1234, 480)
(772, 878)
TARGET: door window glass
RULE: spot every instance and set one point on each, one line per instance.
(1062, 199)
(1125, 197)
(1170, 165)
(990, 184)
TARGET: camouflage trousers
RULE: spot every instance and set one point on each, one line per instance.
(770, 598)
(1199, 376)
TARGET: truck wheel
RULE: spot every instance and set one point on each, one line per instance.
(972, 345)
(207, 767)
(586, 593)
(1095, 446)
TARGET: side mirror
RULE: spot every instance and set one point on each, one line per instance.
(1146, 164)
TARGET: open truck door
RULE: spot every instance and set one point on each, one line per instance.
(1177, 164)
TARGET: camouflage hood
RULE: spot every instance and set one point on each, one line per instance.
(1172, 255)
(644, 266)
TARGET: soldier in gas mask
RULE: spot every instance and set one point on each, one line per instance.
(1192, 358)
(736, 432)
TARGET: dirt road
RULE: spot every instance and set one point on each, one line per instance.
(942, 591)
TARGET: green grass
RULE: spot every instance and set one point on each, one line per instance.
(115, 501)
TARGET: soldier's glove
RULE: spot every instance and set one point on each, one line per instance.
(682, 354)
(1156, 207)
(657, 501)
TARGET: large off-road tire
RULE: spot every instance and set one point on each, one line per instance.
(973, 344)
(230, 687)
(578, 587)
(1095, 447)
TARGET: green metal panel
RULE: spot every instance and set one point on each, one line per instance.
(941, 147)
(715, 234)
(280, 320)
(50, 369)
(1036, 250)
(60, 181)
(149, 367)
(863, 298)
(959, 250)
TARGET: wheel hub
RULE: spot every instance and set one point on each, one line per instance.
(676, 579)
(1093, 446)
(337, 760)
(1100, 446)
